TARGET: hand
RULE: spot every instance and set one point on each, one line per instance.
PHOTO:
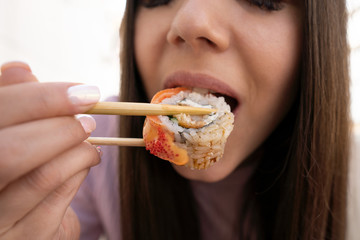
(43, 158)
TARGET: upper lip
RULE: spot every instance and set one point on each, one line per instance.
(199, 80)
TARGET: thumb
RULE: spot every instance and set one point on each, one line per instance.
(70, 226)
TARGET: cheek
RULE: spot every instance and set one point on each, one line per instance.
(274, 68)
(271, 62)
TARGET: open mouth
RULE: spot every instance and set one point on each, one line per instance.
(204, 84)
(232, 102)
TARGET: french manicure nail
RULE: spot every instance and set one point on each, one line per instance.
(87, 122)
(98, 149)
(83, 94)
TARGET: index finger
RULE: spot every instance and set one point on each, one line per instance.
(16, 72)
(32, 101)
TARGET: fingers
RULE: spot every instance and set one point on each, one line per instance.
(70, 226)
(39, 183)
(16, 72)
(43, 159)
(29, 145)
(32, 101)
(44, 221)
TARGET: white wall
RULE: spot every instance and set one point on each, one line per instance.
(77, 40)
(64, 40)
(354, 40)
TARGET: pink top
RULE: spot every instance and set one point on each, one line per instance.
(97, 202)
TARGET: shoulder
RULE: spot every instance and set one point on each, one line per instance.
(353, 220)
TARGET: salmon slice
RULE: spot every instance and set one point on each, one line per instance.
(159, 140)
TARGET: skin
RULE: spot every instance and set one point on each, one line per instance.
(253, 51)
(44, 158)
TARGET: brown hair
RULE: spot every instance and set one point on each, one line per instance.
(299, 192)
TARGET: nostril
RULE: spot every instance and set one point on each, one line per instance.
(178, 40)
(173, 37)
(208, 41)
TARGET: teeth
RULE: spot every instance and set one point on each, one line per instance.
(231, 101)
(204, 90)
(201, 90)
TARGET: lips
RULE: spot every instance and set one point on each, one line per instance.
(215, 86)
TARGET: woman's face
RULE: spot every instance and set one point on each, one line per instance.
(248, 50)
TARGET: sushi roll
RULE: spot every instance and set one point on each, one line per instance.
(196, 141)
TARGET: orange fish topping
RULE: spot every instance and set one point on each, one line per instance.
(158, 139)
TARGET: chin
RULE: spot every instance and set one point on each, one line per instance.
(215, 173)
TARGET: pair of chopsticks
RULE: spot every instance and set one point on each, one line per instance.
(138, 109)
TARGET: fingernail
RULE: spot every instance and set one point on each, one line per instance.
(87, 122)
(15, 64)
(98, 149)
(83, 94)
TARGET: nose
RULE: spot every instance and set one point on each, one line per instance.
(198, 24)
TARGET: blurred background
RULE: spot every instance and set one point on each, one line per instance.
(78, 41)
(64, 40)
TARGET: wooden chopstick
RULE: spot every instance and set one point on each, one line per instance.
(126, 142)
(143, 109)
(138, 109)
